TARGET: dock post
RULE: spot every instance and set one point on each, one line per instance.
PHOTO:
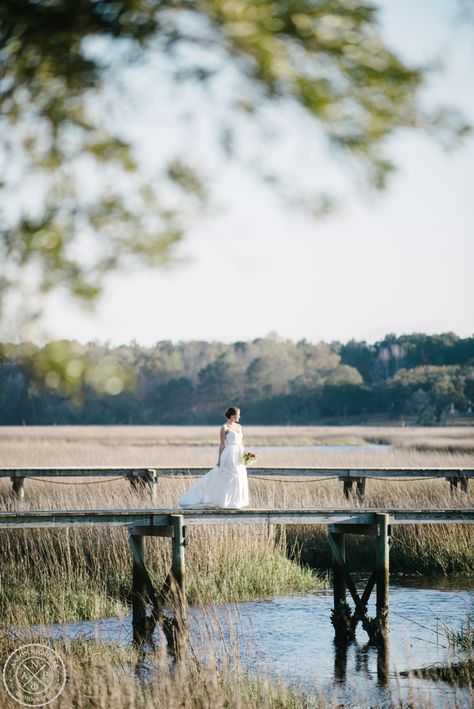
(341, 616)
(361, 482)
(178, 544)
(178, 585)
(382, 571)
(152, 480)
(347, 487)
(18, 486)
(142, 479)
(383, 662)
(455, 480)
(140, 620)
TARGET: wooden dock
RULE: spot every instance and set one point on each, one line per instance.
(148, 603)
(147, 478)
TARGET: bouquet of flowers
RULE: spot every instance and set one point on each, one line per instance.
(249, 458)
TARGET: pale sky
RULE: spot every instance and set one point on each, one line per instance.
(400, 262)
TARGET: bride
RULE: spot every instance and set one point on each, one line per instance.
(226, 485)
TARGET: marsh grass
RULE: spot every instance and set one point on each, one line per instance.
(83, 574)
(78, 574)
(431, 550)
(461, 672)
(190, 445)
(56, 575)
(103, 676)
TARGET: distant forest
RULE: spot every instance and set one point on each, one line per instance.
(417, 378)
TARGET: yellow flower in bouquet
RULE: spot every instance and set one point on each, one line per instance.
(250, 458)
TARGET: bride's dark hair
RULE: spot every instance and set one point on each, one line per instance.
(231, 411)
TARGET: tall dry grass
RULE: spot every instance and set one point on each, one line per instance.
(62, 575)
(196, 445)
(91, 568)
(101, 676)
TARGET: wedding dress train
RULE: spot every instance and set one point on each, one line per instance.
(225, 486)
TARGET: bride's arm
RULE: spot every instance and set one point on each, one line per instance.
(222, 444)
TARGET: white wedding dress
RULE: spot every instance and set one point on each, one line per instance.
(225, 486)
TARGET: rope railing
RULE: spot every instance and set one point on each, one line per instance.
(86, 482)
(142, 477)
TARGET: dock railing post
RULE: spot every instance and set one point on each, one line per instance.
(152, 481)
(347, 487)
(142, 479)
(18, 486)
(361, 483)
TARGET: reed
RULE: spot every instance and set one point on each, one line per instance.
(79, 574)
(461, 672)
(196, 445)
(85, 574)
(101, 676)
(430, 550)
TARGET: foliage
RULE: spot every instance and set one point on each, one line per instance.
(80, 204)
(275, 380)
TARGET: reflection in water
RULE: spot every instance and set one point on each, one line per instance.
(362, 656)
(292, 637)
(340, 661)
(383, 662)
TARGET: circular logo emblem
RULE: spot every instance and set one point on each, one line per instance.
(34, 675)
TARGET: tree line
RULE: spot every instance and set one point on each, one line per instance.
(419, 378)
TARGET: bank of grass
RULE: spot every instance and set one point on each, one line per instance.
(458, 674)
(84, 574)
(64, 575)
(190, 445)
(101, 676)
(425, 550)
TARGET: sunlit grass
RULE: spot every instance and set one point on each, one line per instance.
(196, 445)
(102, 676)
(77, 574)
(67, 575)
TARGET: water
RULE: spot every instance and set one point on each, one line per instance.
(323, 448)
(294, 453)
(292, 638)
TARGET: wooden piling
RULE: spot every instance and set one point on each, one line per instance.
(140, 481)
(178, 543)
(361, 482)
(341, 617)
(382, 573)
(460, 480)
(152, 481)
(348, 483)
(179, 628)
(340, 661)
(140, 620)
(18, 487)
(347, 487)
(383, 662)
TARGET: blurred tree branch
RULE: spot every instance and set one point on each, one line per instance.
(326, 57)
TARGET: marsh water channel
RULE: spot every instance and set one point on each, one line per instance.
(292, 639)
